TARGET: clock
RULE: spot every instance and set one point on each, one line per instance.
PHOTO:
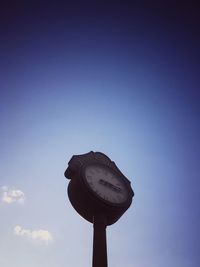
(100, 193)
(105, 183)
(97, 186)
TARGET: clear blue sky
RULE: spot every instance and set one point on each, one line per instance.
(116, 78)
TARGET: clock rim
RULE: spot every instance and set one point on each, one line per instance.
(119, 174)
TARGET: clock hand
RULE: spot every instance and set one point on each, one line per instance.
(109, 185)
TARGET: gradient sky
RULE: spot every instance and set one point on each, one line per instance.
(117, 78)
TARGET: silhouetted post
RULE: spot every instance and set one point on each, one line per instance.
(99, 242)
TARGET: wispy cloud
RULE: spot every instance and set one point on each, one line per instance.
(40, 234)
(9, 195)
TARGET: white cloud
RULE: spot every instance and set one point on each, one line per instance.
(9, 195)
(42, 235)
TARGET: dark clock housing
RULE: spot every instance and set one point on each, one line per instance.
(84, 199)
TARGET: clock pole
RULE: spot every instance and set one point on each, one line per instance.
(99, 241)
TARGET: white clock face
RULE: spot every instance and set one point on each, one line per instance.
(106, 184)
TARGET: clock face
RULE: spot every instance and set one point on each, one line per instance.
(105, 183)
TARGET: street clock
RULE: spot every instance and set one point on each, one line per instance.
(100, 193)
(98, 186)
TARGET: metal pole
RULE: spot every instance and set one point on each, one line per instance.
(99, 242)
